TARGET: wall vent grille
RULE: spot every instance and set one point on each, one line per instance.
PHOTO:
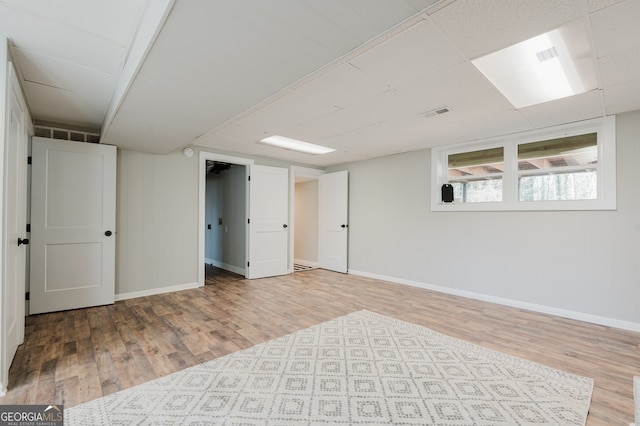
(65, 134)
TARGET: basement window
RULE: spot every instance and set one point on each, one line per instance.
(559, 169)
(569, 167)
(476, 176)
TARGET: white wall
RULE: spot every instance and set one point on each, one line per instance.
(578, 262)
(306, 222)
(574, 262)
(157, 221)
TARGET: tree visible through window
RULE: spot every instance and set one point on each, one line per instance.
(559, 169)
(568, 167)
(476, 176)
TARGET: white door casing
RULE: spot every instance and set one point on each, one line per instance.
(333, 221)
(14, 225)
(73, 199)
(268, 227)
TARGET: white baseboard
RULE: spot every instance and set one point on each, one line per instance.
(226, 266)
(306, 263)
(154, 291)
(581, 316)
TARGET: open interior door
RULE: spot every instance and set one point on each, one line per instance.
(73, 217)
(333, 200)
(268, 226)
(14, 227)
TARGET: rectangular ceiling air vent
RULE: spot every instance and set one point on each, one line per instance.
(436, 112)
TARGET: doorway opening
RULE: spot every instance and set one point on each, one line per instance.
(303, 240)
(319, 212)
(224, 202)
(225, 216)
(305, 245)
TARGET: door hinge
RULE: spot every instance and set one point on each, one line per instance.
(27, 296)
(247, 264)
(248, 220)
(249, 178)
(29, 159)
(28, 227)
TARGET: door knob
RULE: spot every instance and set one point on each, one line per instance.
(108, 233)
(21, 241)
(284, 226)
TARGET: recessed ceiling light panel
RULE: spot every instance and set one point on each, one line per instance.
(296, 145)
(550, 66)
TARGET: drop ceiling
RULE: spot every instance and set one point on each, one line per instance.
(358, 76)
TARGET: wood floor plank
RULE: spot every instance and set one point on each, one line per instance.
(76, 356)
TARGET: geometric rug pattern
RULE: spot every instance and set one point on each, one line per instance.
(359, 369)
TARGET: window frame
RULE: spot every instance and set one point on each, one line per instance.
(605, 128)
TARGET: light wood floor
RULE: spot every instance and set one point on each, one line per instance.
(76, 356)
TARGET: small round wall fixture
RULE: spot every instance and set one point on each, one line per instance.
(187, 152)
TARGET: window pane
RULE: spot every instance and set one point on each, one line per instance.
(561, 186)
(477, 191)
(475, 163)
(581, 150)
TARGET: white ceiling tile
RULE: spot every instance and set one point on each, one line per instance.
(261, 122)
(150, 112)
(334, 158)
(32, 33)
(251, 148)
(417, 51)
(423, 4)
(302, 21)
(620, 67)
(232, 134)
(341, 86)
(145, 139)
(363, 21)
(204, 59)
(623, 97)
(478, 28)
(310, 133)
(567, 110)
(384, 12)
(288, 24)
(50, 71)
(595, 5)
(497, 124)
(477, 105)
(292, 110)
(226, 73)
(616, 28)
(438, 133)
(346, 119)
(57, 105)
(440, 89)
(346, 18)
(114, 20)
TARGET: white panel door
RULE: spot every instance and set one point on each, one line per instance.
(73, 200)
(333, 200)
(268, 226)
(14, 225)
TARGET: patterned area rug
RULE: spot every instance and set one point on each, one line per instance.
(359, 369)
